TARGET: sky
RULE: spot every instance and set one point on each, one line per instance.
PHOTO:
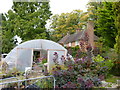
(56, 6)
(63, 6)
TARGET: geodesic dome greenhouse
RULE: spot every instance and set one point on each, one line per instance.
(22, 55)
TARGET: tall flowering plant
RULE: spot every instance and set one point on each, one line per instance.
(55, 58)
(77, 74)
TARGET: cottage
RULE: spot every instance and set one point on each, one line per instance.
(74, 39)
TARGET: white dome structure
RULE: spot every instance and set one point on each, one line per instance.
(22, 55)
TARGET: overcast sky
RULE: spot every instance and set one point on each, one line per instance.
(57, 6)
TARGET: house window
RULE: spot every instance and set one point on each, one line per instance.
(70, 44)
(76, 43)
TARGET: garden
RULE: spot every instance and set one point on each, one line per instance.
(85, 70)
(39, 60)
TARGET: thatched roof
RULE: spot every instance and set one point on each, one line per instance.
(64, 39)
(74, 37)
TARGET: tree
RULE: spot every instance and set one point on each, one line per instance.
(27, 20)
(103, 15)
(0, 34)
(67, 23)
(116, 8)
(107, 25)
(7, 41)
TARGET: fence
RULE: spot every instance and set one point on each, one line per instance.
(39, 82)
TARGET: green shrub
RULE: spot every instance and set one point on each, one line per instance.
(45, 83)
(103, 62)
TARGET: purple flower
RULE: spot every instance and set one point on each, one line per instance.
(56, 73)
(89, 83)
(80, 60)
(40, 59)
(62, 58)
(55, 53)
(55, 58)
(70, 67)
(80, 80)
(59, 68)
(69, 85)
(106, 57)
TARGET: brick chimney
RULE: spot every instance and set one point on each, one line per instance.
(90, 32)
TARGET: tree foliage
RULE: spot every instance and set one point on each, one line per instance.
(26, 20)
(107, 25)
(117, 23)
(116, 8)
(103, 15)
(67, 22)
(0, 34)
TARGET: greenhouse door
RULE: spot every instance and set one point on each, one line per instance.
(24, 58)
(36, 56)
(39, 58)
(39, 54)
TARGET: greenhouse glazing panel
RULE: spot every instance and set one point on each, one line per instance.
(24, 58)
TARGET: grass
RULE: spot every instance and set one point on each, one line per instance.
(111, 78)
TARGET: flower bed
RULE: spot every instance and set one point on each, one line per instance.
(85, 71)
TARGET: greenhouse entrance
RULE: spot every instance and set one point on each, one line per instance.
(36, 56)
(39, 59)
